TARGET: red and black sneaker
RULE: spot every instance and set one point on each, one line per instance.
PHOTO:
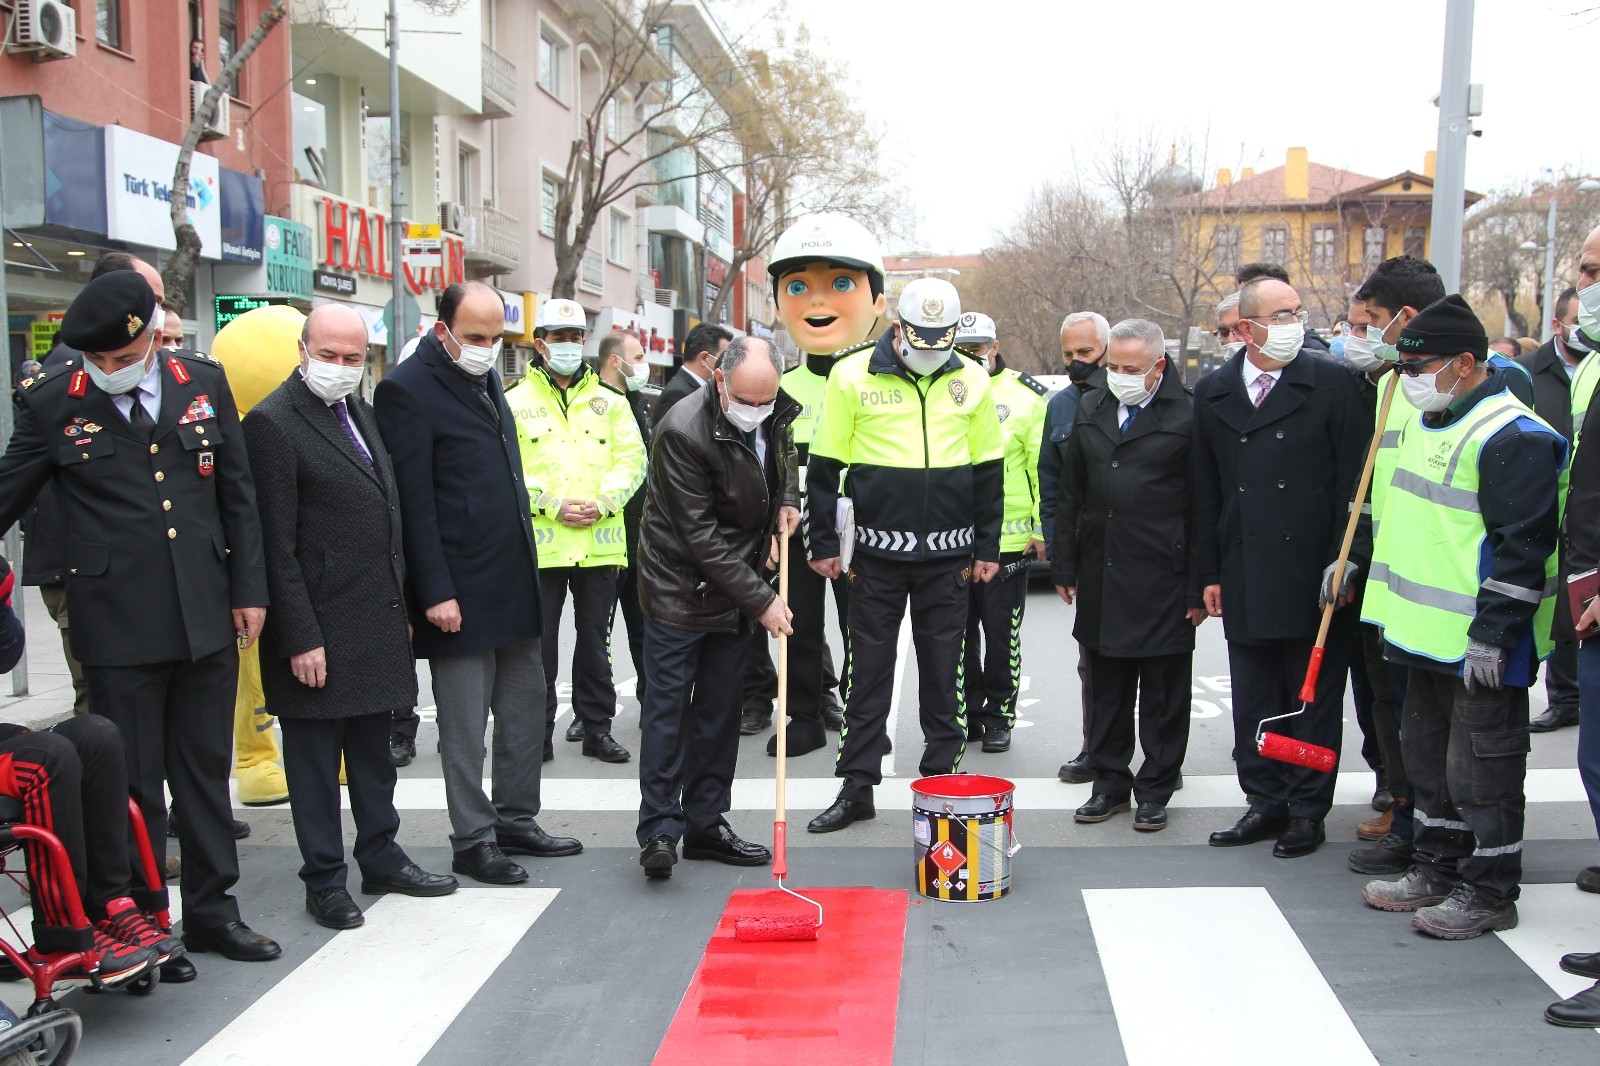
(125, 921)
(118, 959)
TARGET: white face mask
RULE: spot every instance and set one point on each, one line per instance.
(125, 379)
(634, 375)
(1589, 312)
(1358, 352)
(923, 363)
(1130, 389)
(1283, 342)
(329, 382)
(476, 359)
(747, 418)
(1422, 392)
(1381, 348)
(1577, 342)
(1232, 348)
(565, 357)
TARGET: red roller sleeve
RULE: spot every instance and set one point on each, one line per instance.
(1297, 752)
(765, 928)
(1308, 691)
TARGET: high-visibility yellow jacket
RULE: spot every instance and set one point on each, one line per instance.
(581, 443)
(1019, 401)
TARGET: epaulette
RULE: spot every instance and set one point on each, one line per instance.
(57, 373)
(1033, 383)
(190, 353)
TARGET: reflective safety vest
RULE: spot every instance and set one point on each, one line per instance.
(1401, 413)
(1428, 562)
(584, 446)
(1584, 381)
(1019, 401)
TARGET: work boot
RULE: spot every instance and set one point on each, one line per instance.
(974, 728)
(1390, 855)
(1376, 828)
(997, 738)
(1077, 772)
(753, 721)
(402, 749)
(804, 736)
(1468, 912)
(1418, 888)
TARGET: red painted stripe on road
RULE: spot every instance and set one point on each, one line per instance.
(832, 1000)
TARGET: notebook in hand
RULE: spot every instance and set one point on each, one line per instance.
(1581, 591)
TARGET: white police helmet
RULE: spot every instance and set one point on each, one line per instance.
(974, 328)
(831, 237)
(929, 310)
(562, 314)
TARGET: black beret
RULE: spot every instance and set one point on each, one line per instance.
(1445, 327)
(110, 313)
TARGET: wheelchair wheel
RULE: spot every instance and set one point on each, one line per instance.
(142, 985)
(47, 1037)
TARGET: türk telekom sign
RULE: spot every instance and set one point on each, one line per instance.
(139, 192)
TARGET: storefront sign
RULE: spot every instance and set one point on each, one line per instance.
(653, 327)
(289, 270)
(356, 238)
(519, 324)
(229, 308)
(242, 216)
(328, 281)
(138, 192)
(43, 335)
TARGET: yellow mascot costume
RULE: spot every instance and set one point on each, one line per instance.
(258, 349)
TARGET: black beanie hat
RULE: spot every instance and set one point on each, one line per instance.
(1445, 327)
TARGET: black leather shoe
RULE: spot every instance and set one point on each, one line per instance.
(752, 722)
(538, 843)
(410, 880)
(803, 735)
(402, 749)
(333, 908)
(240, 829)
(724, 845)
(1584, 964)
(1247, 830)
(602, 747)
(1588, 879)
(235, 941)
(1100, 808)
(1150, 817)
(1076, 771)
(842, 813)
(575, 730)
(178, 972)
(832, 717)
(658, 857)
(1302, 836)
(487, 863)
(1553, 718)
(1581, 1011)
(997, 738)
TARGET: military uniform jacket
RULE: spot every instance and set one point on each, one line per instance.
(163, 539)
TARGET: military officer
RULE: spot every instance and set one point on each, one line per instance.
(164, 570)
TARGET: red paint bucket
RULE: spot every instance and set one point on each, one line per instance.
(961, 825)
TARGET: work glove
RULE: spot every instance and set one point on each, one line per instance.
(1484, 666)
(1327, 592)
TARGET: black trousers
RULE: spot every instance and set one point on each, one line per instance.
(1467, 754)
(1162, 686)
(690, 726)
(1363, 693)
(405, 723)
(72, 779)
(813, 682)
(628, 591)
(1266, 683)
(311, 751)
(1385, 709)
(992, 663)
(594, 603)
(176, 721)
(880, 590)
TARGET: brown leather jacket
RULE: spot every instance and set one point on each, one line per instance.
(708, 514)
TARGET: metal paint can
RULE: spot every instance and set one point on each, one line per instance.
(963, 836)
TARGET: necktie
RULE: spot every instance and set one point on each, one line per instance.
(1133, 412)
(1264, 383)
(349, 431)
(139, 418)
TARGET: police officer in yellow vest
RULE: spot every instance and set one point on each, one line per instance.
(914, 422)
(1463, 583)
(992, 664)
(583, 459)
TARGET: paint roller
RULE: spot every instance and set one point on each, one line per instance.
(758, 928)
(1288, 749)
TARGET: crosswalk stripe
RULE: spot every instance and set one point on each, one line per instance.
(1222, 947)
(1033, 793)
(359, 992)
(1551, 921)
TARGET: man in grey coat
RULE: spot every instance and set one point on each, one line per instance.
(337, 658)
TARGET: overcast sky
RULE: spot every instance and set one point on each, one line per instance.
(981, 101)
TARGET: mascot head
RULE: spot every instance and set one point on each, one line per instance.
(258, 350)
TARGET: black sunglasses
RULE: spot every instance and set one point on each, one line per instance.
(1413, 367)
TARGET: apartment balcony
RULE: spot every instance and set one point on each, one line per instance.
(493, 241)
(499, 85)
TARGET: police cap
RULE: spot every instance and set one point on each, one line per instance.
(929, 310)
(111, 312)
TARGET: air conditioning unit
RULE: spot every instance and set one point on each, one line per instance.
(48, 28)
(667, 297)
(453, 216)
(221, 124)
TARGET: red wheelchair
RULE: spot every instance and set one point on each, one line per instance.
(49, 1033)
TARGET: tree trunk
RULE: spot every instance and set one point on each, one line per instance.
(1519, 322)
(180, 268)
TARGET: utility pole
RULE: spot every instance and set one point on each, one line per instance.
(397, 196)
(1455, 126)
(8, 422)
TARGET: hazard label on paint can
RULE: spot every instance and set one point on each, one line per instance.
(948, 857)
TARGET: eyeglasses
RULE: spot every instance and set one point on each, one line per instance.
(1282, 318)
(1413, 367)
(1226, 334)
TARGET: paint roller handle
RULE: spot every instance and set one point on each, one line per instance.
(780, 850)
(783, 689)
(1308, 690)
